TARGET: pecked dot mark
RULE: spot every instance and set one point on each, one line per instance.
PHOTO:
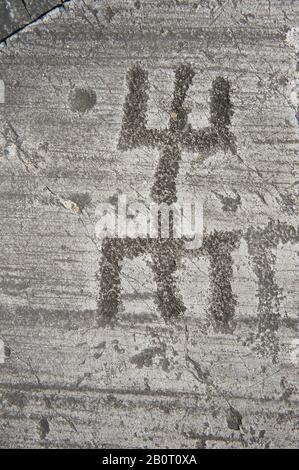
(82, 99)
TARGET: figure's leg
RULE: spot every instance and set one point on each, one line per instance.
(219, 246)
(109, 278)
(165, 257)
(114, 251)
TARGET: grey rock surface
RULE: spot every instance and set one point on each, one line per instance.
(17, 14)
(142, 343)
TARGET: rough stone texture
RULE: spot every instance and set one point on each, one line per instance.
(17, 14)
(141, 343)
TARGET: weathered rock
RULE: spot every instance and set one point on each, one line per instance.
(141, 342)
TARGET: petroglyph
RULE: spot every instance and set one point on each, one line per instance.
(179, 135)
(230, 306)
(217, 246)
